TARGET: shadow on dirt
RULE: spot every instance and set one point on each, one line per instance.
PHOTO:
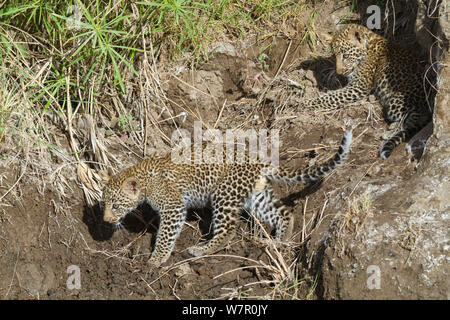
(98, 229)
(142, 219)
(293, 197)
(324, 71)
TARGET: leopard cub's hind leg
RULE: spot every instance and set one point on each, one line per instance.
(227, 204)
(269, 209)
(411, 125)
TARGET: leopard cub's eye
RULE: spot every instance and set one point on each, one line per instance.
(115, 206)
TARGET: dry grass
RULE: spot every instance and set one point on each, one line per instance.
(351, 222)
(409, 238)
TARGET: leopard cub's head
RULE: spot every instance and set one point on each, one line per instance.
(349, 45)
(121, 195)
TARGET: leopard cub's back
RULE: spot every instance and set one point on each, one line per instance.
(161, 177)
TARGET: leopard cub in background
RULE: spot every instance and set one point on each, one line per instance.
(393, 74)
(172, 188)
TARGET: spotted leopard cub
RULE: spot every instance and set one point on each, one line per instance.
(393, 74)
(172, 188)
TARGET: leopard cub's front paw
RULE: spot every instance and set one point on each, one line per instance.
(156, 260)
(304, 104)
(196, 251)
(297, 102)
(154, 263)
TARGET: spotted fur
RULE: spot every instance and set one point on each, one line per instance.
(171, 189)
(393, 74)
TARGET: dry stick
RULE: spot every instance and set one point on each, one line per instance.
(181, 114)
(69, 118)
(306, 150)
(304, 214)
(148, 285)
(319, 221)
(393, 15)
(155, 124)
(361, 179)
(174, 288)
(133, 135)
(154, 121)
(311, 221)
(14, 272)
(157, 87)
(186, 108)
(274, 260)
(243, 268)
(12, 187)
(80, 94)
(192, 87)
(165, 98)
(145, 100)
(145, 126)
(284, 268)
(126, 147)
(39, 73)
(425, 80)
(220, 113)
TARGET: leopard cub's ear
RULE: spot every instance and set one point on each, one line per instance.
(104, 176)
(131, 187)
(327, 36)
(358, 39)
(357, 36)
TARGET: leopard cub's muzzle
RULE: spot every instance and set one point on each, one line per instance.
(109, 217)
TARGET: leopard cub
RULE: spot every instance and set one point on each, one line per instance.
(172, 188)
(393, 74)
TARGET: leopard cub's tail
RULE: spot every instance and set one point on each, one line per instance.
(317, 172)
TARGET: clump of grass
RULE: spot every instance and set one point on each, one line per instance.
(357, 212)
(352, 221)
(409, 239)
(310, 34)
(6, 107)
(12, 81)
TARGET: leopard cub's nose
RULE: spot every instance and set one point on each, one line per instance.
(109, 217)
